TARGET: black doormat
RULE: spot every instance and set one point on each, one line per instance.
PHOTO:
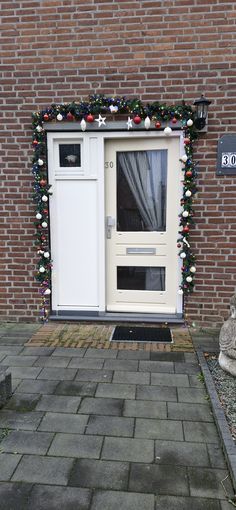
(141, 334)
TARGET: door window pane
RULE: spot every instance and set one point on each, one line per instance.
(140, 278)
(141, 190)
(69, 154)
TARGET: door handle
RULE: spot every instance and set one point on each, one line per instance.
(110, 222)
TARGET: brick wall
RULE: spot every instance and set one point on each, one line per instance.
(56, 51)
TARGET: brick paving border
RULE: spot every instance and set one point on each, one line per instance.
(97, 336)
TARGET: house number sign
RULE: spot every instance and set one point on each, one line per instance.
(226, 158)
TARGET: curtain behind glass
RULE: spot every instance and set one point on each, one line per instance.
(146, 173)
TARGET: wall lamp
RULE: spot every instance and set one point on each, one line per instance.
(201, 112)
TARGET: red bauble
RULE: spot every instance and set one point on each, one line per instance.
(158, 124)
(137, 119)
(189, 173)
(186, 141)
(186, 229)
(43, 182)
(70, 116)
(45, 211)
(46, 116)
(35, 142)
(90, 118)
(174, 120)
(179, 245)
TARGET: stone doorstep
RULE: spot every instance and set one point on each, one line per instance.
(5, 386)
(228, 444)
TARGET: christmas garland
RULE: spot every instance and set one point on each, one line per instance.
(85, 112)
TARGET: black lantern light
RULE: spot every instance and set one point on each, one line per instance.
(201, 112)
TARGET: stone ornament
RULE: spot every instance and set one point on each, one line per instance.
(227, 340)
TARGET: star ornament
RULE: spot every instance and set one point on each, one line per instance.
(129, 123)
(101, 120)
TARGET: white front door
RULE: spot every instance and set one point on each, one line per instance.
(142, 179)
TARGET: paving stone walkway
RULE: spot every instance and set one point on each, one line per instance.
(97, 429)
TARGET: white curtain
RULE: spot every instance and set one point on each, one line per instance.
(145, 172)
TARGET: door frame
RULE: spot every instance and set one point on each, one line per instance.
(102, 136)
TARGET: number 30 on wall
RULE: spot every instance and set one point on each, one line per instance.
(228, 159)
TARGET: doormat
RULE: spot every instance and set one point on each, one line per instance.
(141, 334)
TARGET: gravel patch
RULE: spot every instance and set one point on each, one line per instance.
(226, 388)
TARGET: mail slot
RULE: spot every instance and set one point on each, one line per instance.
(140, 251)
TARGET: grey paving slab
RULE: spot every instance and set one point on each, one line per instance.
(100, 474)
(49, 361)
(69, 351)
(14, 496)
(167, 356)
(206, 482)
(23, 402)
(189, 412)
(38, 469)
(9, 340)
(22, 441)
(126, 449)
(15, 383)
(2, 356)
(144, 355)
(86, 363)
(76, 388)
(224, 505)
(159, 429)
(8, 465)
(37, 351)
(195, 381)
(44, 497)
(22, 421)
(196, 395)
(112, 426)
(36, 386)
(58, 403)
(190, 357)
(24, 372)
(157, 366)
(113, 500)
(102, 406)
(62, 422)
(216, 456)
(170, 379)
(145, 409)
(187, 368)
(85, 374)
(76, 445)
(121, 364)
(158, 479)
(126, 377)
(59, 374)
(157, 393)
(116, 390)
(180, 453)
(186, 503)
(11, 350)
(101, 353)
(200, 432)
(19, 361)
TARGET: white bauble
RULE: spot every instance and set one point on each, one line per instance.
(113, 109)
(193, 269)
(40, 162)
(182, 255)
(185, 214)
(168, 131)
(44, 198)
(38, 216)
(44, 224)
(188, 193)
(46, 254)
(59, 116)
(189, 279)
(180, 292)
(47, 292)
(147, 123)
(42, 269)
(39, 129)
(189, 122)
(184, 158)
(83, 125)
